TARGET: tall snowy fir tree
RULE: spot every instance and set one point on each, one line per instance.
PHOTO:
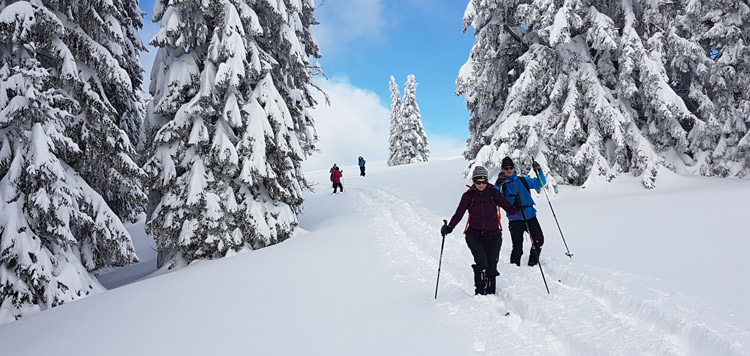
(231, 89)
(395, 110)
(69, 75)
(105, 43)
(600, 88)
(408, 141)
(710, 65)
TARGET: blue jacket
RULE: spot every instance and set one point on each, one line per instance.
(361, 163)
(515, 186)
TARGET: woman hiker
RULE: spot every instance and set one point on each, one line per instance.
(483, 234)
(336, 175)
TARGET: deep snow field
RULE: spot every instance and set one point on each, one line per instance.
(659, 272)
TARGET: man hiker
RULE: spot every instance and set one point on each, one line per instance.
(518, 190)
(361, 162)
(483, 234)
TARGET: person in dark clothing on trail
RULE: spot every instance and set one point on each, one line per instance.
(336, 175)
(518, 190)
(361, 162)
(483, 234)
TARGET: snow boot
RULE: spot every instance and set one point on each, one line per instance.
(516, 260)
(480, 280)
(491, 283)
(534, 256)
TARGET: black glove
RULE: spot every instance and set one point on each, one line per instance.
(535, 165)
(518, 203)
(501, 180)
(445, 230)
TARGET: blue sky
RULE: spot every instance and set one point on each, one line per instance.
(363, 43)
(389, 37)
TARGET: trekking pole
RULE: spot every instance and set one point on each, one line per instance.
(554, 215)
(533, 245)
(445, 222)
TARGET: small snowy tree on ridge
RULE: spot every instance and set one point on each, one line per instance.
(395, 109)
(230, 121)
(408, 141)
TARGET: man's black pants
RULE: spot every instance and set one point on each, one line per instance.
(517, 227)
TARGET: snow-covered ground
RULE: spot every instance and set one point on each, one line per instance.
(658, 272)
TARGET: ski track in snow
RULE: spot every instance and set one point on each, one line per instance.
(579, 317)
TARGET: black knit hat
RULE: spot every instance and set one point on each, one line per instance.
(507, 162)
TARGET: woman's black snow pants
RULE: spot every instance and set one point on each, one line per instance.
(485, 247)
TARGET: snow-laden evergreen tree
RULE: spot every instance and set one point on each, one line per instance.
(710, 66)
(408, 141)
(231, 89)
(103, 38)
(488, 73)
(55, 229)
(395, 109)
(587, 88)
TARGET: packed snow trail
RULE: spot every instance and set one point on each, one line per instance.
(584, 315)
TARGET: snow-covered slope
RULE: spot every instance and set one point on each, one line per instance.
(656, 272)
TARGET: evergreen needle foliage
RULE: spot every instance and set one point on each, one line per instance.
(600, 88)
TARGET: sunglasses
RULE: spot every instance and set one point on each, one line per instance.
(507, 168)
(480, 182)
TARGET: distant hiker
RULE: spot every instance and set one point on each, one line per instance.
(361, 162)
(336, 174)
(518, 190)
(483, 234)
(333, 168)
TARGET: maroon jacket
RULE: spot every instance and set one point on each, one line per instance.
(336, 176)
(482, 206)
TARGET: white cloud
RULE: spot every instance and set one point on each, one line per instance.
(355, 124)
(346, 21)
(444, 146)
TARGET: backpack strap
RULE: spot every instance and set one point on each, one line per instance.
(469, 210)
(499, 214)
(525, 184)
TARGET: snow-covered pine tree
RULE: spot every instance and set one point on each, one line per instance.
(289, 41)
(486, 76)
(55, 230)
(103, 38)
(395, 110)
(709, 62)
(231, 90)
(408, 139)
(590, 96)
